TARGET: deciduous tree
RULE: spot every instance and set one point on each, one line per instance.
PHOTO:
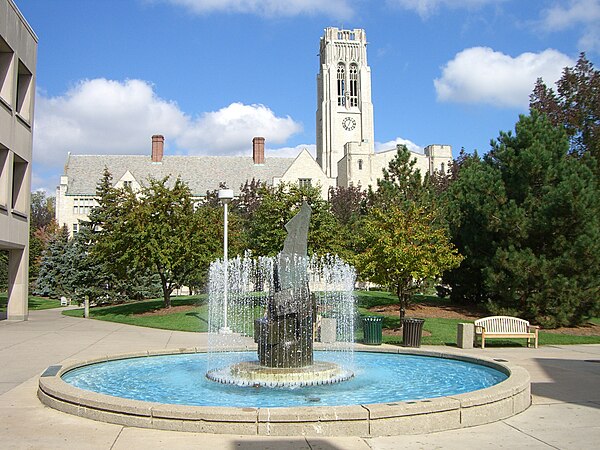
(575, 105)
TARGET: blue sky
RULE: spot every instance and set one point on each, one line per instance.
(211, 74)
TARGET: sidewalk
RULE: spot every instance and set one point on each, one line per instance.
(565, 384)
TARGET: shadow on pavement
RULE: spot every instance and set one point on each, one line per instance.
(573, 381)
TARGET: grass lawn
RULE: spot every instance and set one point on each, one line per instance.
(443, 331)
(34, 302)
(194, 318)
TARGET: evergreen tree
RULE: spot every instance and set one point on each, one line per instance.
(57, 267)
(527, 218)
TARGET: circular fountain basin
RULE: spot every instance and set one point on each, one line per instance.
(374, 402)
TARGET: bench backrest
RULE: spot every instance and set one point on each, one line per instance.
(503, 324)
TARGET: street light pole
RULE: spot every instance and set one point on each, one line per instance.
(225, 195)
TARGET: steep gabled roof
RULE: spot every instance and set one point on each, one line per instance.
(201, 173)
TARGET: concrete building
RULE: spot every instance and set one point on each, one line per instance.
(18, 54)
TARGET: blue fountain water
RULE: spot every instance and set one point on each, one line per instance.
(379, 378)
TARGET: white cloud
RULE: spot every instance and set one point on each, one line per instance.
(340, 9)
(426, 8)
(583, 14)
(482, 75)
(389, 145)
(112, 117)
(102, 116)
(230, 130)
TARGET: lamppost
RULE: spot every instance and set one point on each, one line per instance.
(225, 195)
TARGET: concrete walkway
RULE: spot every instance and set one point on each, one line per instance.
(565, 384)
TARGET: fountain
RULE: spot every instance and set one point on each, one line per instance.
(280, 343)
(289, 315)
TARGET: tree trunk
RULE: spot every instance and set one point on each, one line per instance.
(166, 291)
(402, 301)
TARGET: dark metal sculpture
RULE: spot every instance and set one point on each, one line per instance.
(285, 334)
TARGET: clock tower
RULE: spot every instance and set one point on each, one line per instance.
(344, 108)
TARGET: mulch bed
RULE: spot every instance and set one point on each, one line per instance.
(417, 310)
(166, 311)
(460, 312)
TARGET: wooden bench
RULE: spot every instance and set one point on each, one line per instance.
(505, 327)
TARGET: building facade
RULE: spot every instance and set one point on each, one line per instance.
(18, 55)
(345, 125)
(75, 196)
(345, 145)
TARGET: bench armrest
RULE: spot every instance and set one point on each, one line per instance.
(533, 327)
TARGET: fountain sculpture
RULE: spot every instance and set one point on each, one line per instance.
(286, 330)
(390, 394)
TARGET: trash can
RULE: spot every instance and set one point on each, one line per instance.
(412, 329)
(372, 330)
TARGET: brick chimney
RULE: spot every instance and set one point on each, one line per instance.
(258, 150)
(158, 147)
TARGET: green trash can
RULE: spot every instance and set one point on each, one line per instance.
(372, 330)
(412, 330)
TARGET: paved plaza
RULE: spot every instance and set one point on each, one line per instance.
(565, 412)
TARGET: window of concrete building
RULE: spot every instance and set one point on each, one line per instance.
(6, 71)
(353, 85)
(304, 182)
(4, 171)
(83, 205)
(443, 168)
(19, 190)
(24, 93)
(360, 164)
(341, 84)
(76, 228)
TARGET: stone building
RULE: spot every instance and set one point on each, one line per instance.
(75, 195)
(18, 54)
(345, 144)
(345, 125)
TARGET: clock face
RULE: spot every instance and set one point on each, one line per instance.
(348, 123)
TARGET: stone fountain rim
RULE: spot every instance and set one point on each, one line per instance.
(497, 402)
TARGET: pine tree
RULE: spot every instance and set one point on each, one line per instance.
(527, 218)
(57, 267)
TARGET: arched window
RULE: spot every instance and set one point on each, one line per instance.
(360, 164)
(443, 167)
(353, 85)
(341, 85)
